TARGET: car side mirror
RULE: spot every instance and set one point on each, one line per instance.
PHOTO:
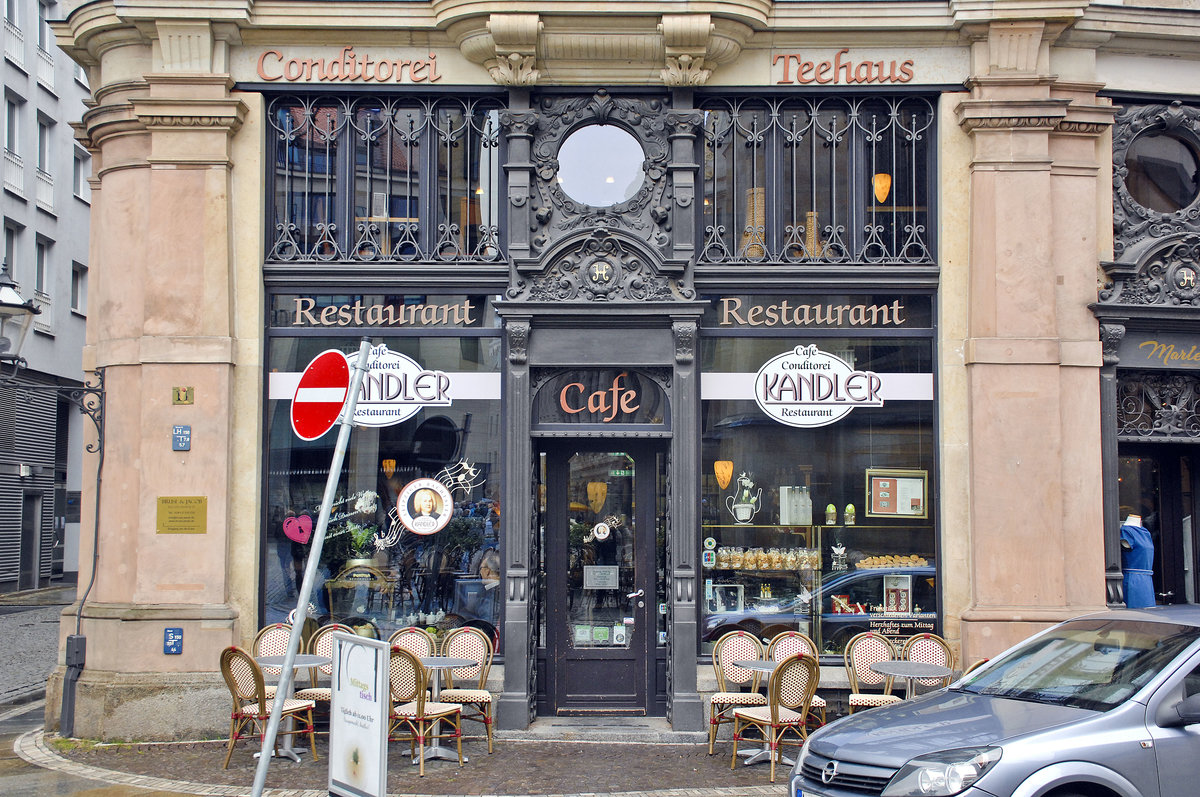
(1185, 712)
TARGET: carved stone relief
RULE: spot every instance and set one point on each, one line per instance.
(1169, 275)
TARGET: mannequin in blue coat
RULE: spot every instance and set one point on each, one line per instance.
(1137, 562)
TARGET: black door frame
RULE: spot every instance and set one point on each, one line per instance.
(1169, 571)
(559, 654)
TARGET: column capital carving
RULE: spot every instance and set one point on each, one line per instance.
(158, 112)
(1111, 336)
(1030, 114)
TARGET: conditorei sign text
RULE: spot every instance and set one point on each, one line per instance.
(840, 69)
(396, 387)
(347, 66)
(807, 387)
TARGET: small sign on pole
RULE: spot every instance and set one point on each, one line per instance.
(358, 716)
(320, 395)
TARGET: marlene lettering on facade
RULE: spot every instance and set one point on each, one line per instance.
(786, 314)
(347, 66)
(841, 70)
(1169, 354)
(373, 315)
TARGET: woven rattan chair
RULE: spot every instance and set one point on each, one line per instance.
(271, 640)
(929, 649)
(416, 641)
(788, 643)
(789, 698)
(413, 717)
(321, 644)
(467, 686)
(252, 708)
(731, 647)
(861, 652)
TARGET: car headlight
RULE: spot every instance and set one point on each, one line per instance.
(943, 773)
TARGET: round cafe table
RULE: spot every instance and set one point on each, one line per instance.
(910, 671)
(763, 755)
(303, 661)
(438, 664)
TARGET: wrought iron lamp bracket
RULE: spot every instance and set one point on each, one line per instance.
(89, 398)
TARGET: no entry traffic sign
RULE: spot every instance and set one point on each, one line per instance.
(320, 395)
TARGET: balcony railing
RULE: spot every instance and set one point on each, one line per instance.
(44, 321)
(14, 173)
(14, 44)
(45, 191)
(45, 68)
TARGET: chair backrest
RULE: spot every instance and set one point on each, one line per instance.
(272, 640)
(731, 647)
(415, 640)
(406, 679)
(788, 643)
(467, 642)
(929, 649)
(861, 652)
(793, 684)
(975, 665)
(321, 644)
(244, 678)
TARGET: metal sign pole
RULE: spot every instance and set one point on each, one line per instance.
(310, 569)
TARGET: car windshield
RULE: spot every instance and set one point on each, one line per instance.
(1094, 664)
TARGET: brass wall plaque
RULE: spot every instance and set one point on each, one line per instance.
(183, 395)
(182, 514)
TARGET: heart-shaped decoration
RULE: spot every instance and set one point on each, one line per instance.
(298, 529)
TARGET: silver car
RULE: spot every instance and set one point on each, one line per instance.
(1098, 706)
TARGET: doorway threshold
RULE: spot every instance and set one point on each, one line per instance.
(607, 729)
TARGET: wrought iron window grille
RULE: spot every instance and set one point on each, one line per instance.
(1158, 406)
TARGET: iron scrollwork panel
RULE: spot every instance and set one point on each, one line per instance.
(1158, 406)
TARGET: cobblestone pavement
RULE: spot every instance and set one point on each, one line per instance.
(30, 621)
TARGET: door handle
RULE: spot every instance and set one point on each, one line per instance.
(1170, 594)
(639, 594)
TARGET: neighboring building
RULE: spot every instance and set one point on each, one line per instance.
(46, 206)
(678, 315)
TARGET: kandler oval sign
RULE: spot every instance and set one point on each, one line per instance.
(396, 387)
(807, 387)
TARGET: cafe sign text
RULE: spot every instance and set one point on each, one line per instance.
(807, 387)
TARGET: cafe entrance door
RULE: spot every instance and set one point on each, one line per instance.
(599, 556)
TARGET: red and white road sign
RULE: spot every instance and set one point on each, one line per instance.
(320, 395)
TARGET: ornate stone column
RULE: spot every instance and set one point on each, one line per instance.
(162, 291)
(1111, 335)
(1032, 351)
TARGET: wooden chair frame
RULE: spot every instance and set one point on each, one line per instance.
(252, 708)
(858, 670)
(784, 644)
(468, 642)
(790, 692)
(731, 647)
(271, 640)
(411, 717)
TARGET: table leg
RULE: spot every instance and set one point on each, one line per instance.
(435, 750)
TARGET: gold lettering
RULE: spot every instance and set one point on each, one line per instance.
(729, 315)
(304, 314)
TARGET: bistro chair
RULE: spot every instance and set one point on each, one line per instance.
(252, 708)
(470, 643)
(321, 644)
(731, 647)
(789, 643)
(271, 640)
(789, 698)
(929, 649)
(975, 665)
(415, 640)
(412, 717)
(861, 652)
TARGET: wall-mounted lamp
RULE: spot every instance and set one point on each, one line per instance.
(16, 317)
(882, 183)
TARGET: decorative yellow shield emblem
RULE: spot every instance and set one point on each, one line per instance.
(389, 467)
(597, 492)
(882, 183)
(724, 470)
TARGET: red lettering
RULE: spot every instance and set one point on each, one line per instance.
(906, 71)
(822, 70)
(562, 398)
(262, 62)
(838, 65)
(803, 69)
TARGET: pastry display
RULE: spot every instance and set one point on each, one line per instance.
(892, 560)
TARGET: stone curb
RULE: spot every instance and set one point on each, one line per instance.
(31, 747)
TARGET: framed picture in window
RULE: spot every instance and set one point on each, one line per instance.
(897, 493)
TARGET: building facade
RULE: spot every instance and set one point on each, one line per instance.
(45, 204)
(750, 316)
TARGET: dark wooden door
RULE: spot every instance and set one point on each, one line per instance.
(600, 573)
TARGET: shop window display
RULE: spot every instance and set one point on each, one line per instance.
(414, 533)
(826, 529)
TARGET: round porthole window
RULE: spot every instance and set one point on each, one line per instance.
(1162, 172)
(600, 165)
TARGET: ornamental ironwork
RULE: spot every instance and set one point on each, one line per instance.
(1158, 406)
(817, 180)
(1159, 200)
(1167, 276)
(394, 180)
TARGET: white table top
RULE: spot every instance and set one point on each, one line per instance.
(911, 669)
(758, 665)
(445, 662)
(302, 660)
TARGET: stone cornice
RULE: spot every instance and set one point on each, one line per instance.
(1011, 114)
(191, 113)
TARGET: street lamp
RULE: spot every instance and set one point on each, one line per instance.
(16, 317)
